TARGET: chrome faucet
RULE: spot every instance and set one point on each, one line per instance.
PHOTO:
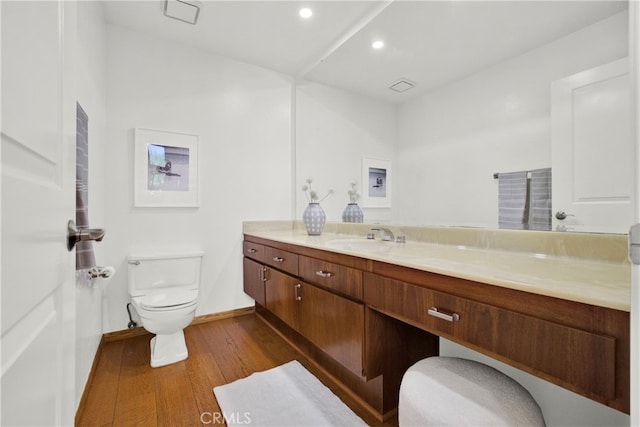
(385, 234)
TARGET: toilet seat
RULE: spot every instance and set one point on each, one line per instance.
(169, 299)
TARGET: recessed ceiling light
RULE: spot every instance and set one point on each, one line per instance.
(378, 44)
(306, 13)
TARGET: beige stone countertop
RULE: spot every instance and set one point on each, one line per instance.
(601, 282)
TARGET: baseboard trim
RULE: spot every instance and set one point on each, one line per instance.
(138, 331)
(223, 315)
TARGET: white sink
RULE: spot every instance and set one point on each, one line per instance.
(359, 244)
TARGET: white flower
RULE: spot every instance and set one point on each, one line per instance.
(312, 195)
(354, 194)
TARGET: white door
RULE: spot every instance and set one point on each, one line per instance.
(592, 150)
(38, 187)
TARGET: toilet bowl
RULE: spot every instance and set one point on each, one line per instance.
(164, 292)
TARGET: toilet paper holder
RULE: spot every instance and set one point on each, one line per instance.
(75, 235)
(100, 272)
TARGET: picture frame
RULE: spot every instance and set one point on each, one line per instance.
(166, 172)
(376, 183)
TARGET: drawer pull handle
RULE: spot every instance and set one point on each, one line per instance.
(453, 317)
(297, 295)
(252, 251)
(278, 259)
(325, 274)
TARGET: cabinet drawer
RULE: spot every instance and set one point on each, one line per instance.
(282, 260)
(577, 359)
(253, 250)
(338, 278)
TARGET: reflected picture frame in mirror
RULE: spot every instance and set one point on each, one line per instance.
(377, 179)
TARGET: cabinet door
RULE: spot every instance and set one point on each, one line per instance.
(280, 296)
(334, 324)
(254, 280)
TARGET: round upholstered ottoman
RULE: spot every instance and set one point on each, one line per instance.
(449, 391)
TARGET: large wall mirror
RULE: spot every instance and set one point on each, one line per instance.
(486, 88)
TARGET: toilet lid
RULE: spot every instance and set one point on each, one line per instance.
(169, 298)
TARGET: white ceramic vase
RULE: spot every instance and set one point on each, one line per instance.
(352, 213)
(314, 219)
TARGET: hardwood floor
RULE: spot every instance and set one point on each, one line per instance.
(125, 390)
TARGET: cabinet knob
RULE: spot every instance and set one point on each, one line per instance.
(278, 259)
(252, 251)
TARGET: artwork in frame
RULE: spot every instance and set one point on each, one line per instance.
(165, 169)
(376, 179)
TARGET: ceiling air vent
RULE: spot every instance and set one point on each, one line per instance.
(401, 85)
(185, 11)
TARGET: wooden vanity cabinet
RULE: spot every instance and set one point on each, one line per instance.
(332, 323)
(583, 355)
(365, 322)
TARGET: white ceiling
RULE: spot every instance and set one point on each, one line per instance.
(428, 42)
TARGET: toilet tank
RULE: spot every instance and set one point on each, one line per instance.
(154, 271)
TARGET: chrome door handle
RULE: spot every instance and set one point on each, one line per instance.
(278, 259)
(252, 251)
(296, 292)
(560, 215)
(75, 235)
(453, 317)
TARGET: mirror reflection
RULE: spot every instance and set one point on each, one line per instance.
(487, 89)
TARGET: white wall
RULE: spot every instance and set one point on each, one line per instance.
(334, 130)
(91, 94)
(453, 139)
(242, 114)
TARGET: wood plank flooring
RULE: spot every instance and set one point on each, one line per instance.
(126, 391)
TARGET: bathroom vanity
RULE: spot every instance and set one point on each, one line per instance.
(364, 310)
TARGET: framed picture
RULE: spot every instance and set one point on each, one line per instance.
(376, 182)
(165, 169)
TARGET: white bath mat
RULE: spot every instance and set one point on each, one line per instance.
(287, 395)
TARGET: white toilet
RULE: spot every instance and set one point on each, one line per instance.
(164, 291)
